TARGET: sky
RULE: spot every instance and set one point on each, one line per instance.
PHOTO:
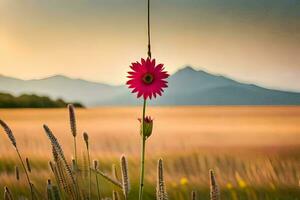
(254, 41)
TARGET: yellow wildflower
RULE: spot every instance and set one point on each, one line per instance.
(183, 181)
(229, 186)
(242, 183)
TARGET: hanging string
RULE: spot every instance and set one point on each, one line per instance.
(149, 38)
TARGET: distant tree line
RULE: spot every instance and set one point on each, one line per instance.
(32, 101)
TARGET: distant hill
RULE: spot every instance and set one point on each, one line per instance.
(59, 86)
(186, 87)
(31, 101)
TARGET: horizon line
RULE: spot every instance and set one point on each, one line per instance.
(188, 66)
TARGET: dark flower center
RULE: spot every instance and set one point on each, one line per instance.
(148, 78)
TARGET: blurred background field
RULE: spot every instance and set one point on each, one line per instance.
(254, 150)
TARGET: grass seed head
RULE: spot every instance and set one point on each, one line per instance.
(17, 173)
(28, 164)
(72, 119)
(9, 133)
(125, 177)
(86, 139)
(96, 164)
(161, 193)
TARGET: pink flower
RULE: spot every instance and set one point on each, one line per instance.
(147, 79)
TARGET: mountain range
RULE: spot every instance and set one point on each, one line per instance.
(186, 87)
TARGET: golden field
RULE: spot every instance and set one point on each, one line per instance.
(254, 150)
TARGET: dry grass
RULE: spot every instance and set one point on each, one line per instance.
(249, 147)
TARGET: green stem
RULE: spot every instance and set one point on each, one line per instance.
(143, 147)
(27, 176)
(90, 172)
(98, 191)
(76, 169)
(75, 151)
(58, 183)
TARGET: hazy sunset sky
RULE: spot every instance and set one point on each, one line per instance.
(255, 41)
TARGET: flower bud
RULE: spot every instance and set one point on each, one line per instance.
(148, 126)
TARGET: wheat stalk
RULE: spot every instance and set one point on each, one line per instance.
(72, 119)
(73, 127)
(161, 193)
(12, 138)
(214, 188)
(62, 174)
(9, 133)
(56, 176)
(58, 153)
